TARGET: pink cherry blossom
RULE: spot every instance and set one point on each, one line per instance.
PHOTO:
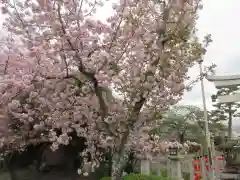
(63, 68)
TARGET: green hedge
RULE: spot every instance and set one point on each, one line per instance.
(106, 178)
(139, 177)
(186, 176)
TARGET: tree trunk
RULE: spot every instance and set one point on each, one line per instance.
(181, 137)
(116, 172)
(8, 163)
(119, 160)
(110, 162)
(12, 175)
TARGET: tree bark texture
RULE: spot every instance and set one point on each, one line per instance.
(119, 161)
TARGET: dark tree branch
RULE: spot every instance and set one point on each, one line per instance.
(90, 75)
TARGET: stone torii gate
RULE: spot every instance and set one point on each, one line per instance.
(226, 81)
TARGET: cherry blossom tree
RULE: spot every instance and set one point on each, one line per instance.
(107, 81)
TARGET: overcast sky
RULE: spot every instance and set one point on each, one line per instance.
(221, 20)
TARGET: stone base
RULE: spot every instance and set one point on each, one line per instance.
(225, 176)
(174, 167)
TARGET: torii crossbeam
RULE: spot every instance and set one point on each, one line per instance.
(226, 81)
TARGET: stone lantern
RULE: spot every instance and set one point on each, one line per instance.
(174, 162)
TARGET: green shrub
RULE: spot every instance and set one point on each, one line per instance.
(144, 177)
(186, 176)
(106, 178)
(164, 172)
(140, 177)
(153, 172)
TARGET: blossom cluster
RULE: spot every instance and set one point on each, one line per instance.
(62, 69)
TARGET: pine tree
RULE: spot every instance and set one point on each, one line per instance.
(225, 111)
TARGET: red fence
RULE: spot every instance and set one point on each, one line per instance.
(197, 165)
